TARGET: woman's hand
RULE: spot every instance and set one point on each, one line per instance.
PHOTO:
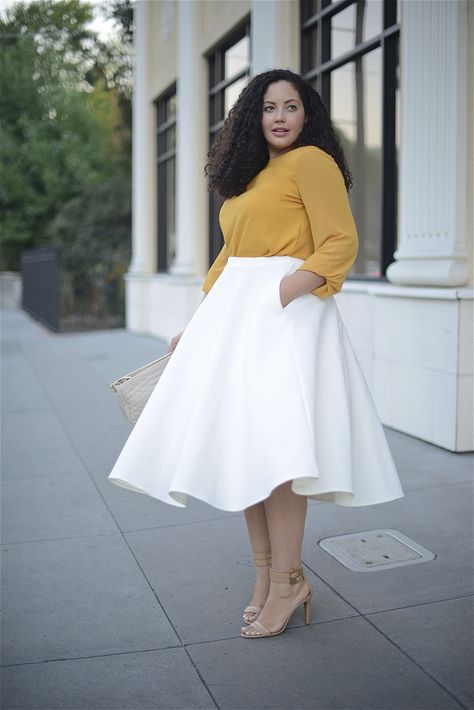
(174, 342)
(285, 295)
(297, 284)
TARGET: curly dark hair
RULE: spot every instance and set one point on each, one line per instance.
(240, 150)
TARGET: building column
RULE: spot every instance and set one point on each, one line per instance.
(143, 149)
(192, 141)
(274, 35)
(434, 171)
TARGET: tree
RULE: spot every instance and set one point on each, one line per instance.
(65, 127)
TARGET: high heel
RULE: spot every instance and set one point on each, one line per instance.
(261, 559)
(293, 577)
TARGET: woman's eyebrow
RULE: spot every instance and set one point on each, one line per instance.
(287, 101)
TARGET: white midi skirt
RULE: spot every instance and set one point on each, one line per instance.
(255, 395)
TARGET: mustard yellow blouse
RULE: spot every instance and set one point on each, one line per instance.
(297, 205)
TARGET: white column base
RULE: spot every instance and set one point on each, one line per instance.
(415, 348)
(183, 267)
(429, 272)
(148, 301)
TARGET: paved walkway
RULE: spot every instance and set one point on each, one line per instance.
(115, 601)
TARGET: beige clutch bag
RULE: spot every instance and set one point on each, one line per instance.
(133, 390)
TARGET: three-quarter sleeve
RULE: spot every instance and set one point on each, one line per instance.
(324, 195)
(219, 262)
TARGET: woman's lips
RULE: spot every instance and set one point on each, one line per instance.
(280, 131)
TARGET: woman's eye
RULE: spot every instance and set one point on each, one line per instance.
(271, 107)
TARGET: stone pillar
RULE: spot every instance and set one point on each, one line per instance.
(143, 149)
(274, 35)
(434, 172)
(192, 141)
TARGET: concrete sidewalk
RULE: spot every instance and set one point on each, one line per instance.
(116, 601)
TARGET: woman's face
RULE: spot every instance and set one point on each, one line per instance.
(282, 118)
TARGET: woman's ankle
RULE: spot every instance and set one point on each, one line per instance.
(285, 591)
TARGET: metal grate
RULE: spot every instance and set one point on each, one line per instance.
(373, 550)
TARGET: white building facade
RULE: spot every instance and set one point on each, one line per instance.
(397, 77)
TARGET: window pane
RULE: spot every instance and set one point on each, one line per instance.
(372, 19)
(237, 58)
(170, 208)
(167, 110)
(343, 101)
(161, 142)
(171, 137)
(171, 107)
(356, 24)
(343, 31)
(231, 94)
(356, 111)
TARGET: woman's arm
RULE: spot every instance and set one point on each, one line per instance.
(324, 196)
(299, 283)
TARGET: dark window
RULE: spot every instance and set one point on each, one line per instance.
(166, 108)
(349, 53)
(229, 72)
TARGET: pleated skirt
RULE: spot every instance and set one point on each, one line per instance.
(255, 395)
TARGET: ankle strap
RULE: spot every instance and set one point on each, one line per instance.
(296, 575)
(262, 558)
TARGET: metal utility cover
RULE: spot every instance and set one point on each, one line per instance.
(373, 550)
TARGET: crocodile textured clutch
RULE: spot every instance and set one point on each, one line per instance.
(133, 390)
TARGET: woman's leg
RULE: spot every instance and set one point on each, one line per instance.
(256, 520)
(285, 515)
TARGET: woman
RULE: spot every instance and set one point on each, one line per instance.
(263, 403)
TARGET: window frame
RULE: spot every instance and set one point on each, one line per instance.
(163, 156)
(217, 85)
(388, 41)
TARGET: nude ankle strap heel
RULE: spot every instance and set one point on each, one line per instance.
(296, 575)
(261, 559)
(293, 577)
